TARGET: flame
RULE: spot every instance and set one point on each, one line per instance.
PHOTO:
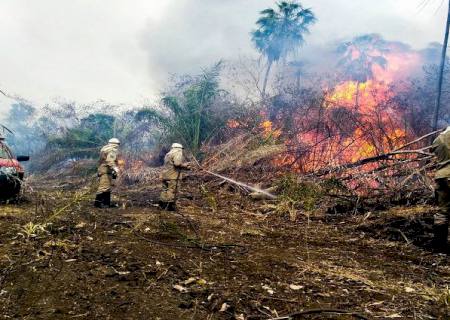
(233, 124)
(268, 131)
(363, 96)
(400, 65)
(358, 119)
(366, 122)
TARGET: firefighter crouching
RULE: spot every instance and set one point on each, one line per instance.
(441, 148)
(171, 177)
(108, 170)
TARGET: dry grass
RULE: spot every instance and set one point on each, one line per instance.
(239, 152)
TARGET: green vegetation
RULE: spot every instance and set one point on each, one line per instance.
(191, 114)
(302, 193)
(86, 137)
(209, 197)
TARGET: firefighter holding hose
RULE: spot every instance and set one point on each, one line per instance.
(108, 170)
(171, 177)
(441, 148)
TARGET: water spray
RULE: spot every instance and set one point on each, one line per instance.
(242, 184)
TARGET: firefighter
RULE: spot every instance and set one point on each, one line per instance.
(441, 148)
(171, 177)
(108, 170)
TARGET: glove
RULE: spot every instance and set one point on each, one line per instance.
(115, 173)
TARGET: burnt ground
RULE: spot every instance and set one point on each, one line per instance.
(221, 256)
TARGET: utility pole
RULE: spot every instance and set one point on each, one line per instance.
(441, 72)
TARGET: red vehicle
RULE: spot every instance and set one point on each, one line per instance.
(11, 172)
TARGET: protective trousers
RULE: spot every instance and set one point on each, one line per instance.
(105, 183)
(441, 218)
(169, 190)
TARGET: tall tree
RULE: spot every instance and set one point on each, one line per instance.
(281, 32)
(441, 72)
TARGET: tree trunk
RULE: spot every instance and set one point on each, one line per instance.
(196, 143)
(358, 84)
(269, 66)
(441, 73)
(198, 123)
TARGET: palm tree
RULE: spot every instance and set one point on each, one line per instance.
(187, 118)
(281, 32)
(360, 55)
(298, 68)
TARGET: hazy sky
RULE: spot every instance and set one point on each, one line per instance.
(121, 51)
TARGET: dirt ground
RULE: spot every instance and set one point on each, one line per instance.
(221, 256)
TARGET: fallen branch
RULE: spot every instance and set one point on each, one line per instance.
(385, 156)
(6, 128)
(79, 197)
(195, 244)
(298, 315)
(418, 140)
(241, 184)
(385, 168)
(402, 234)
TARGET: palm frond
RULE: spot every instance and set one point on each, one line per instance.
(151, 115)
(281, 31)
(172, 104)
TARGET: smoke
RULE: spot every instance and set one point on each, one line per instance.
(195, 33)
(122, 51)
(5, 104)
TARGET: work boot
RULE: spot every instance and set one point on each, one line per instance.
(440, 238)
(171, 206)
(168, 206)
(102, 200)
(162, 204)
(98, 202)
(107, 201)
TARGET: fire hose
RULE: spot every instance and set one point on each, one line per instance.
(241, 184)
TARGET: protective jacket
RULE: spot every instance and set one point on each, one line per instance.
(441, 148)
(173, 165)
(171, 175)
(108, 161)
(107, 166)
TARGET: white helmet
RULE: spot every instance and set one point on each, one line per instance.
(114, 141)
(176, 146)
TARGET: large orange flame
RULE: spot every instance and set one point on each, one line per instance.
(367, 123)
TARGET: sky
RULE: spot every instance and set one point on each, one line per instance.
(122, 51)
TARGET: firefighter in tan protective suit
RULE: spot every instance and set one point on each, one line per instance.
(108, 170)
(441, 148)
(171, 177)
